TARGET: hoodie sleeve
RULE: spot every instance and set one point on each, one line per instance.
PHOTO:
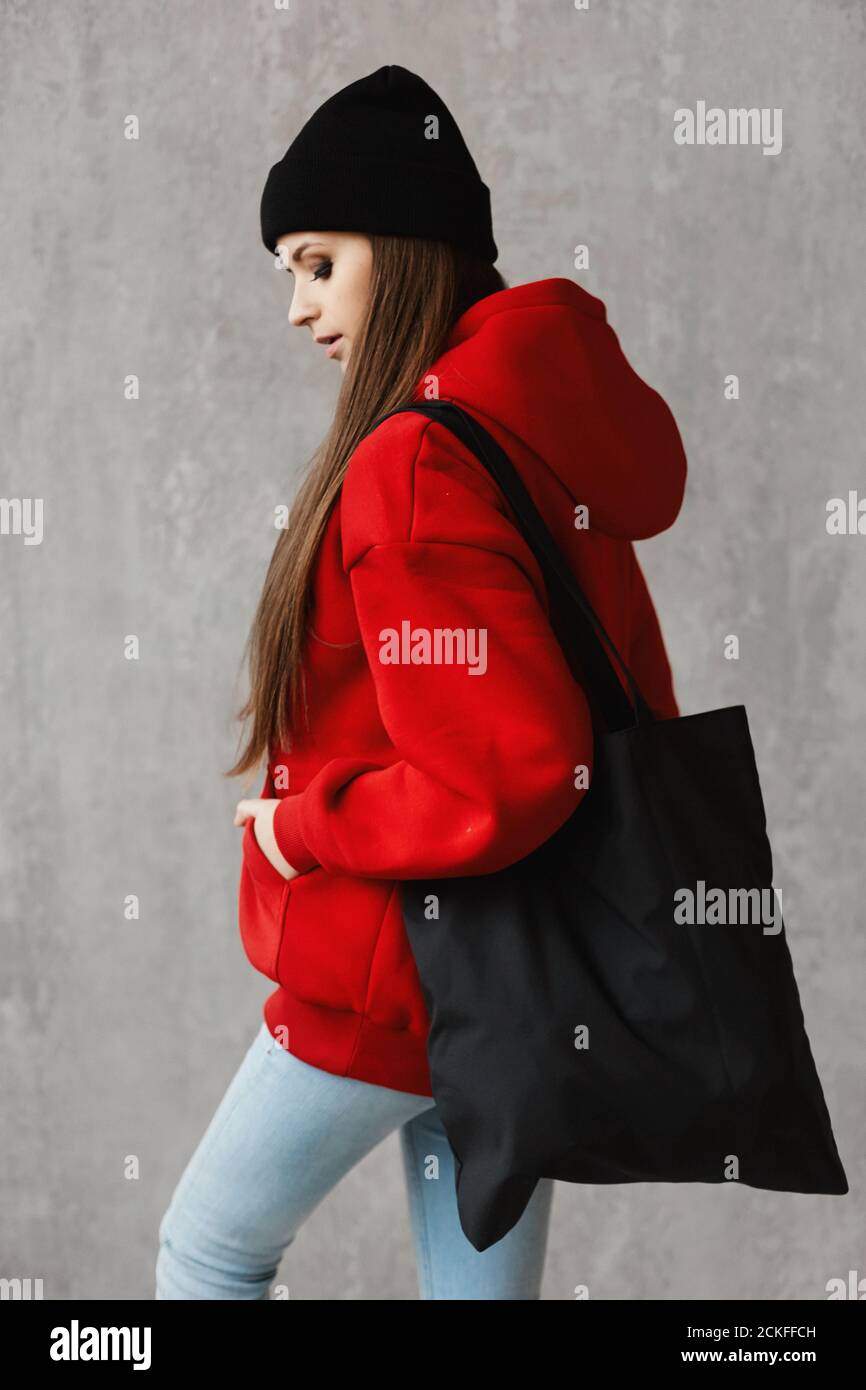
(486, 744)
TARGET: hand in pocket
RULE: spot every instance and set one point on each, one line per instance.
(261, 811)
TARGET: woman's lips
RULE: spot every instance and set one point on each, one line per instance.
(332, 347)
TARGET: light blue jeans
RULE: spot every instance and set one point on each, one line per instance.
(282, 1137)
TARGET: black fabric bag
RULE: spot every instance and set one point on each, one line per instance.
(577, 1030)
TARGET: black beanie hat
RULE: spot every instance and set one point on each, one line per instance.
(370, 159)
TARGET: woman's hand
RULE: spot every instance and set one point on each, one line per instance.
(262, 813)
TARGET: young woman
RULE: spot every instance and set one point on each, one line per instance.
(383, 762)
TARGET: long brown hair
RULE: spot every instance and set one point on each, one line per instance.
(418, 290)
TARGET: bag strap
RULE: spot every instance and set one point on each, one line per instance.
(585, 627)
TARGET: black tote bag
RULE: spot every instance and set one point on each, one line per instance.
(579, 1031)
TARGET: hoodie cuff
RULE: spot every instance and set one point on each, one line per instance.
(287, 833)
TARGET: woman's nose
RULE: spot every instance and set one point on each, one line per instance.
(301, 310)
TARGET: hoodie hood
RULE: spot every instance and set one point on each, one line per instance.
(542, 361)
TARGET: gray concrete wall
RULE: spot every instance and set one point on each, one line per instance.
(144, 257)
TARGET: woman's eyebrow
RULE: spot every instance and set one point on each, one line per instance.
(296, 256)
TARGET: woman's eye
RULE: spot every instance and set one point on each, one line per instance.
(323, 271)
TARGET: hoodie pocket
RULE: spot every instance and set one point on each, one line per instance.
(263, 898)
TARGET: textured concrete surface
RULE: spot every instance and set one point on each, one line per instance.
(118, 1037)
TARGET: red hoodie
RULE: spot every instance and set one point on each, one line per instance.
(433, 767)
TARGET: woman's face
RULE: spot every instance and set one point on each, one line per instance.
(332, 272)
